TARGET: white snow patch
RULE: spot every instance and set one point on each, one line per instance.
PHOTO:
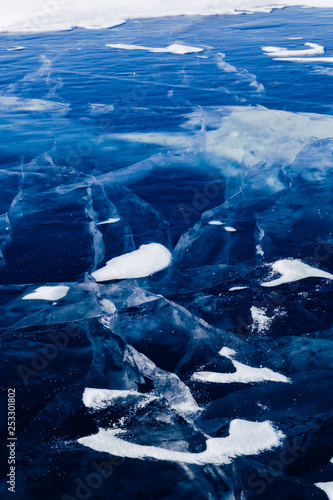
(174, 48)
(261, 322)
(14, 49)
(230, 229)
(100, 109)
(108, 306)
(102, 398)
(315, 50)
(245, 438)
(109, 221)
(147, 260)
(294, 270)
(50, 293)
(18, 104)
(234, 288)
(327, 487)
(215, 223)
(306, 59)
(244, 374)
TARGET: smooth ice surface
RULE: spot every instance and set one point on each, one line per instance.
(244, 374)
(145, 261)
(31, 15)
(174, 48)
(245, 438)
(294, 270)
(48, 293)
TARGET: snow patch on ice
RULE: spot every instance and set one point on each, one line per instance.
(174, 48)
(245, 438)
(261, 322)
(147, 260)
(244, 374)
(235, 288)
(49, 293)
(327, 487)
(315, 50)
(100, 109)
(15, 49)
(215, 223)
(230, 229)
(102, 398)
(109, 221)
(292, 270)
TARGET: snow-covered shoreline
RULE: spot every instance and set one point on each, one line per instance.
(58, 15)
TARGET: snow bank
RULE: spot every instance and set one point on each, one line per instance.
(48, 293)
(244, 374)
(55, 15)
(294, 270)
(174, 48)
(147, 260)
(245, 438)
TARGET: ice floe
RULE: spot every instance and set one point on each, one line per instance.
(245, 438)
(50, 293)
(244, 374)
(292, 270)
(147, 260)
(174, 48)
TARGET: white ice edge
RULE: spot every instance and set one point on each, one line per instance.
(147, 260)
(174, 48)
(244, 374)
(50, 293)
(292, 270)
(245, 438)
(37, 16)
(109, 221)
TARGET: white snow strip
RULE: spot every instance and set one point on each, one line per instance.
(14, 49)
(327, 487)
(100, 109)
(50, 293)
(244, 374)
(55, 15)
(147, 260)
(294, 270)
(17, 104)
(234, 288)
(102, 398)
(230, 229)
(215, 223)
(245, 438)
(315, 50)
(109, 221)
(306, 59)
(174, 48)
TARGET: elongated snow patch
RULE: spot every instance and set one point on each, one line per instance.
(147, 260)
(294, 270)
(314, 50)
(48, 293)
(174, 48)
(244, 374)
(102, 398)
(245, 438)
